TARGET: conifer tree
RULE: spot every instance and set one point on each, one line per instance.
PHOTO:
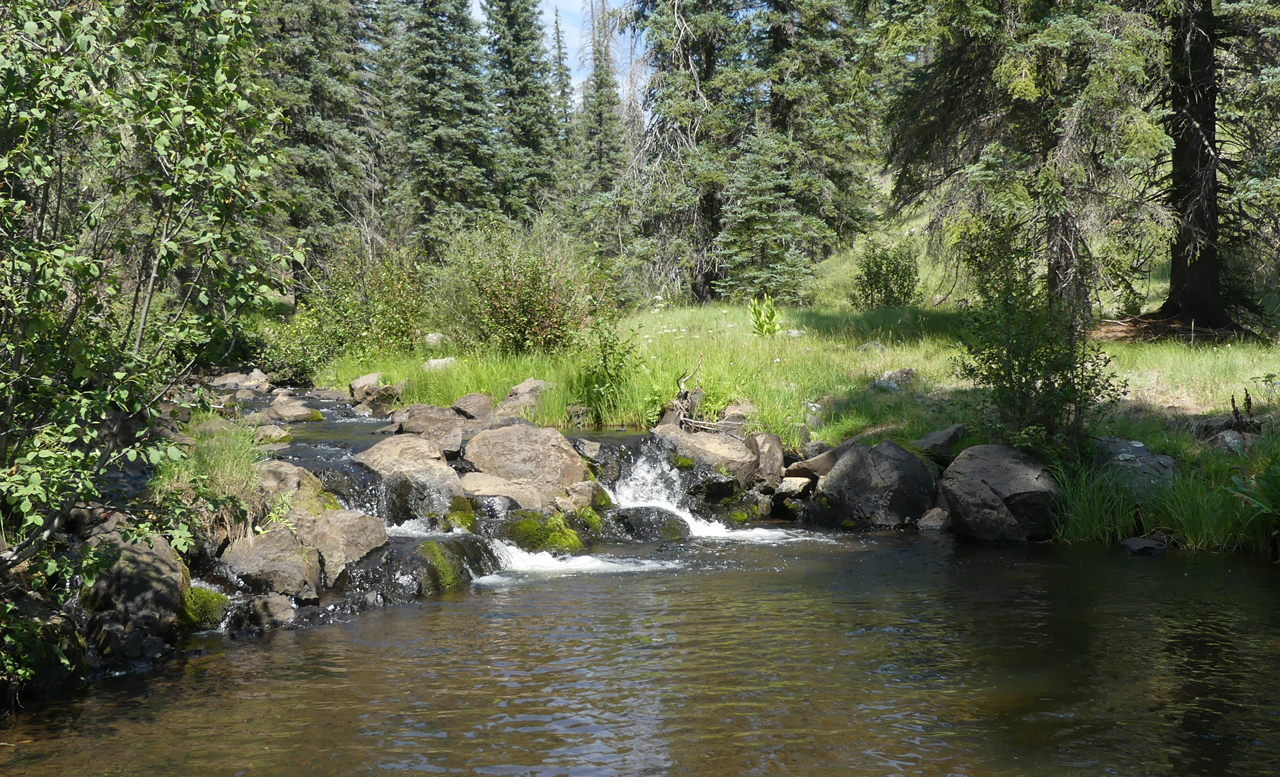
(442, 116)
(522, 96)
(562, 79)
(601, 145)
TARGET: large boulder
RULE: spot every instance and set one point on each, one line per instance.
(295, 484)
(145, 583)
(478, 485)
(477, 406)
(884, 486)
(416, 482)
(1144, 472)
(999, 494)
(439, 426)
(541, 458)
(769, 464)
(342, 537)
(276, 561)
(522, 399)
(717, 451)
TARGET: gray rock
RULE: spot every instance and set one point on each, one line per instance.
(276, 561)
(793, 488)
(303, 489)
(272, 434)
(1136, 466)
(819, 464)
(436, 365)
(270, 611)
(1141, 546)
(416, 482)
(715, 450)
(145, 582)
(439, 426)
(650, 524)
(604, 460)
(522, 398)
(399, 453)
(379, 400)
(236, 381)
(361, 386)
(291, 411)
(814, 448)
(768, 450)
(329, 395)
(245, 395)
(541, 458)
(1232, 441)
(902, 377)
(999, 494)
(342, 537)
(940, 445)
(884, 486)
(888, 386)
(477, 406)
(479, 485)
(935, 519)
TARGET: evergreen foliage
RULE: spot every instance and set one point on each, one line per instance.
(521, 85)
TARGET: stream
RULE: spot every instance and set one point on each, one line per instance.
(768, 650)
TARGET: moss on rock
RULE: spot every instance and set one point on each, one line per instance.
(461, 515)
(589, 518)
(445, 577)
(683, 462)
(202, 608)
(600, 500)
(737, 516)
(535, 532)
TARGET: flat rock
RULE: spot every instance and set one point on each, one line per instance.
(475, 406)
(272, 434)
(291, 411)
(480, 485)
(999, 494)
(399, 453)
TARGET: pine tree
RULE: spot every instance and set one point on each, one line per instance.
(563, 82)
(442, 115)
(314, 65)
(526, 116)
(601, 143)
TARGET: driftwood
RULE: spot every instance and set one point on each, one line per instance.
(685, 406)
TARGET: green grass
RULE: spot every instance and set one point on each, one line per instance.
(218, 476)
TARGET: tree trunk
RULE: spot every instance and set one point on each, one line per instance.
(1195, 288)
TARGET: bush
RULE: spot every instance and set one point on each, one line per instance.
(522, 289)
(886, 276)
(1044, 381)
(365, 305)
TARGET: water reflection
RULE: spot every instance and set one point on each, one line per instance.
(882, 656)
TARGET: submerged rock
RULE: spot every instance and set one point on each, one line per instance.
(999, 494)
(1141, 546)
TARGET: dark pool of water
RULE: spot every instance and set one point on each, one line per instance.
(885, 655)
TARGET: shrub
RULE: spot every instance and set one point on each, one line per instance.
(523, 289)
(1044, 382)
(886, 276)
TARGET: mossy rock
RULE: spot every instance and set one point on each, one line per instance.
(535, 532)
(737, 516)
(444, 575)
(591, 520)
(461, 515)
(683, 462)
(203, 609)
(600, 500)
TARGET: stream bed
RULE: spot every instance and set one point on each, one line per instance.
(768, 650)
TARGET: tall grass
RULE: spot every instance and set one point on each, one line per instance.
(218, 479)
(1094, 507)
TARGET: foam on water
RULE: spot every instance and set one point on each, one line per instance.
(652, 482)
(520, 565)
(414, 527)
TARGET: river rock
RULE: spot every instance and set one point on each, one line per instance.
(793, 488)
(237, 381)
(651, 524)
(329, 395)
(1141, 546)
(416, 482)
(885, 486)
(269, 611)
(361, 386)
(769, 466)
(541, 458)
(604, 459)
(145, 582)
(480, 485)
(999, 494)
(341, 536)
(1136, 466)
(820, 463)
(935, 519)
(436, 365)
(439, 426)
(271, 433)
(289, 481)
(406, 569)
(715, 450)
(940, 445)
(522, 397)
(276, 561)
(477, 407)
(291, 411)
(1232, 441)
